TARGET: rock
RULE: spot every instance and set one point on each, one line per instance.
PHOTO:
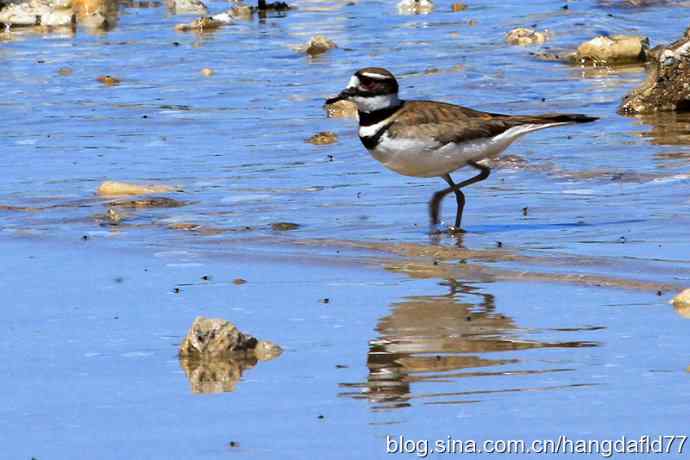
(323, 138)
(265, 350)
(525, 37)
(207, 72)
(564, 56)
(341, 109)
(319, 44)
(681, 303)
(113, 217)
(187, 7)
(112, 188)
(217, 338)
(205, 23)
(457, 7)
(615, 50)
(242, 12)
(184, 226)
(52, 13)
(667, 87)
(273, 6)
(284, 226)
(96, 14)
(158, 202)
(109, 80)
(415, 7)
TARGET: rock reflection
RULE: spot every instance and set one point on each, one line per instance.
(441, 339)
(215, 375)
(667, 128)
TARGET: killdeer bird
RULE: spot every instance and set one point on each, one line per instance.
(434, 139)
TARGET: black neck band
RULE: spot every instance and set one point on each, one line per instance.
(371, 118)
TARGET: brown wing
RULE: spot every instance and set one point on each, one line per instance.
(447, 123)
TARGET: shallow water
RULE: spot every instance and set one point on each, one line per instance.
(564, 329)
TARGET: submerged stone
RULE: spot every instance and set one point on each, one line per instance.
(318, 44)
(524, 37)
(284, 226)
(157, 202)
(205, 23)
(323, 138)
(109, 80)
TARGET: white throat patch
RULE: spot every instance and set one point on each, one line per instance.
(371, 104)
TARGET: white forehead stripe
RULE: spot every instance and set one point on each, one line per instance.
(354, 82)
(376, 76)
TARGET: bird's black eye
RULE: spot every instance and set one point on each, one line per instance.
(366, 82)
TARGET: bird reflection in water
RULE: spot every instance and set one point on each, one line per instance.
(441, 339)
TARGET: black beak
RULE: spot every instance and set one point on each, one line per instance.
(344, 94)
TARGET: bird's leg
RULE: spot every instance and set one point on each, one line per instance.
(460, 199)
(435, 203)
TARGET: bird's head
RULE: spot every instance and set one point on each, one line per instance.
(371, 88)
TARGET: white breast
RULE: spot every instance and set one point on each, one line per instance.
(425, 157)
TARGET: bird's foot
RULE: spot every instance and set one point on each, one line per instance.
(440, 229)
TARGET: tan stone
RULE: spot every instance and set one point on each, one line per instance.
(525, 37)
(318, 44)
(323, 138)
(615, 50)
(113, 188)
(341, 109)
(218, 338)
(415, 6)
(681, 303)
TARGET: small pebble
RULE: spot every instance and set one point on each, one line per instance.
(284, 226)
(109, 80)
(323, 138)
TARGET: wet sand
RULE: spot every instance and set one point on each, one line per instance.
(549, 316)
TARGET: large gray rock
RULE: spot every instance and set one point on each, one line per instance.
(667, 87)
